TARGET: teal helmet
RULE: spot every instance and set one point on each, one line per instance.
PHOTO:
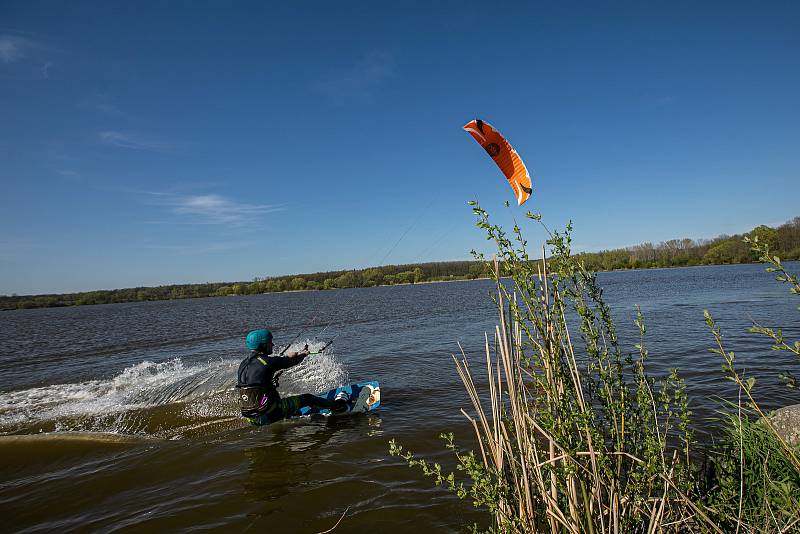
(257, 338)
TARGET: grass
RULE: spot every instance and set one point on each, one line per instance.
(756, 484)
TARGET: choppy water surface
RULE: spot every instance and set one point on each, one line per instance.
(123, 416)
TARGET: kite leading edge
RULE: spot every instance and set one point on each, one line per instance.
(504, 156)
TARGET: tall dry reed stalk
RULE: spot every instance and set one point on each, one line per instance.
(581, 484)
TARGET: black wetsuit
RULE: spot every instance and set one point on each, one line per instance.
(259, 370)
(258, 393)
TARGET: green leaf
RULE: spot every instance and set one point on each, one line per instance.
(750, 383)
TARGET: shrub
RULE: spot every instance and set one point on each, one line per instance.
(573, 438)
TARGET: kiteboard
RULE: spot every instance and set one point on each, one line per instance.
(362, 397)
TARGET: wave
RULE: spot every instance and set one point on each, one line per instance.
(152, 396)
(143, 385)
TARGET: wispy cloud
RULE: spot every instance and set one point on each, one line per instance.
(23, 58)
(213, 209)
(132, 141)
(45, 70)
(360, 81)
(13, 48)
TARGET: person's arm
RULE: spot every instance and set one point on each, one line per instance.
(293, 358)
(299, 354)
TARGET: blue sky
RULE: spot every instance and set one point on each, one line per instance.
(151, 143)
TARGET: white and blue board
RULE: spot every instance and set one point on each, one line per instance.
(364, 397)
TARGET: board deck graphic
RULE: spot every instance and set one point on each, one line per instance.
(363, 397)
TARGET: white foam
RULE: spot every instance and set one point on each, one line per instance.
(317, 373)
(143, 385)
(204, 387)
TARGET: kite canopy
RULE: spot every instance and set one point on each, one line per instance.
(504, 156)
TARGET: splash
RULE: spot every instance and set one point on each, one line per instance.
(144, 385)
(152, 398)
(318, 373)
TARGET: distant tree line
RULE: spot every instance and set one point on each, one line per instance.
(784, 241)
(374, 276)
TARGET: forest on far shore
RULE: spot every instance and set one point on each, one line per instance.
(784, 241)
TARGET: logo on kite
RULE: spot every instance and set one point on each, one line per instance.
(504, 156)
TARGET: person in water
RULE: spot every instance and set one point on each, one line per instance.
(257, 382)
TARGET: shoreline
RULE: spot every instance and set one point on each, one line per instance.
(63, 305)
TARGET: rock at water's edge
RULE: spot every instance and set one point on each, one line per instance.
(786, 421)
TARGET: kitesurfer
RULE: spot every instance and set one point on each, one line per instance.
(258, 383)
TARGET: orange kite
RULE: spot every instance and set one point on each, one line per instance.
(504, 156)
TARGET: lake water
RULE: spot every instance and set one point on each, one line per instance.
(124, 416)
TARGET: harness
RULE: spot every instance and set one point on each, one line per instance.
(253, 400)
